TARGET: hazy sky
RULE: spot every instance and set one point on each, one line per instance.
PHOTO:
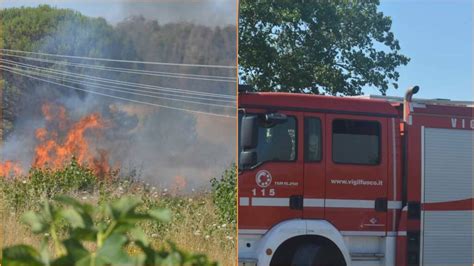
(207, 12)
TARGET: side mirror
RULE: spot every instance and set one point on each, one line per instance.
(249, 132)
(248, 158)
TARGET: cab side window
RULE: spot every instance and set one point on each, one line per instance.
(277, 142)
(356, 142)
(312, 139)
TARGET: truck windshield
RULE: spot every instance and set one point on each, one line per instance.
(275, 142)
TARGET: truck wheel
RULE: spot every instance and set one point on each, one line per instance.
(307, 255)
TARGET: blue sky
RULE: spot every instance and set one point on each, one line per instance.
(437, 36)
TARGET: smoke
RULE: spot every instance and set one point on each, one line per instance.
(203, 12)
(163, 146)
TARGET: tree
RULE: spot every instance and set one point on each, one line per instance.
(57, 31)
(322, 47)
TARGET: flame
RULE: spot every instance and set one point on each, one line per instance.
(179, 183)
(10, 168)
(62, 139)
(67, 139)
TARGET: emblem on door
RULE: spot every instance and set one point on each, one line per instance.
(263, 178)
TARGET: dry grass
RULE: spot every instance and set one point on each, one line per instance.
(195, 225)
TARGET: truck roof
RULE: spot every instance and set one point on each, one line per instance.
(316, 103)
(364, 104)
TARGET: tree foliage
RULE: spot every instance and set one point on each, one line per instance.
(334, 47)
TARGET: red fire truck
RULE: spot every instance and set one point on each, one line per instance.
(369, 180)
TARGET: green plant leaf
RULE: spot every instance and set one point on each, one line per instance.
(85, 234)
(123, 206)
(73, 218)
(161, 215)
(140, 236)
(112, 251)
(21, 255)
(75, 252)
(36, 222)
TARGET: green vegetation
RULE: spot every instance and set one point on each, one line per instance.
(224, 191)
(111, 228)
(198, 222)
(333, 47)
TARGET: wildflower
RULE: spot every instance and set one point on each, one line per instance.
(46, 234)
(165, 190)
(224, 225)
(154, 235)
(190, 200)
(197, 233)
(84, 198)
(207, 237)
(229, 237)
(24, 181)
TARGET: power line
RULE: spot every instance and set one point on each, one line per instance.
(124, 83)
(131, 92)
(79, 81)
(121, 61)
(121, 98)
(131, 71)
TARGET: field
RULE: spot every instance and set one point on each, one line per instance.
(201, 222)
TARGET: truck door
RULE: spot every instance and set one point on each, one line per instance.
(271, 190)
(314, 166)
(356, 173)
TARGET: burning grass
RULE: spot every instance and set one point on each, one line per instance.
(63, 137)
(197, 224)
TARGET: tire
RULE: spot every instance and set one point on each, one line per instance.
(307, 255)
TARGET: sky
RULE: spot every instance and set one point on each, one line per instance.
(437, 36)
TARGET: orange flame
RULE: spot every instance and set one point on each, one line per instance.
(58, 146)
(9, 168)
(61, 140)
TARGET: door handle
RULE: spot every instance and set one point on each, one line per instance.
(296, 202)
(381, 205)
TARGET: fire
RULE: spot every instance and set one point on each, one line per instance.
(66, 139)
(62, 139)
(8, 168)
(179, 183)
